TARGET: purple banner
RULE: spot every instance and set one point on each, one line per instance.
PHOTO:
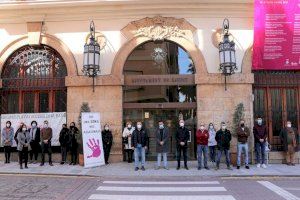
(276, 35)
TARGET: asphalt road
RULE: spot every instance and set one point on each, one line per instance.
(14, 187)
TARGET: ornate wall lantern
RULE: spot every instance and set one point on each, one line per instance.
(227, 53)
(91, 56)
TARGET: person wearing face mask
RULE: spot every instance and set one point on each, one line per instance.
(260, 136)
(74, 140)
(182, 137)
(107, 139)
(7, 140)
(18, 130)
(35, 140)
(139, 141)
(127, 133)
(63, 140)
(290, 140)
(162, 144)
(202, 136)
(46, 136)
(243, 133)
(223, 138)
(212, 143)
(23, 146)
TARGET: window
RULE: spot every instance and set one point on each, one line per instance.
(33, 79)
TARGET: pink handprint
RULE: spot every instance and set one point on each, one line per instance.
(95, 147)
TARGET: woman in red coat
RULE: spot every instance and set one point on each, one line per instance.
(202, 136)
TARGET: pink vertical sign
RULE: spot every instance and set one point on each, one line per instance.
(276, 35)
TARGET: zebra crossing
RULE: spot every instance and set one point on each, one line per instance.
(166, 190)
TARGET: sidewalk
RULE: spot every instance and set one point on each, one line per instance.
(127, 170)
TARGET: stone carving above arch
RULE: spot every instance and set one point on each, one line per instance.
(160, 28)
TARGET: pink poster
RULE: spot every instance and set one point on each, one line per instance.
(276, 35)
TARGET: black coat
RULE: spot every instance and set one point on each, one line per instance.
(284, 138)
(135, 135)
(73, 138)
(64, 137)
(107, 138)
(37, 137)
(182, 135)
(223, 139)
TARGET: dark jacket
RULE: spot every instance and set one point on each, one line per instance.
(202, 137)
(73, 139)
(107, 137)
(284, 138)
(242, 135)
(182, 135)
(223, 139)
(165, 138)
(139, 133)
(260, 132)
(37, 137)
(64, 137)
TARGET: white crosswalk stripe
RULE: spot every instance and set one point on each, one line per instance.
(161, 190)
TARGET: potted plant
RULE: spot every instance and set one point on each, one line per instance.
(84, 108)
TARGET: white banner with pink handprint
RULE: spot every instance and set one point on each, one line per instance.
(92, 140)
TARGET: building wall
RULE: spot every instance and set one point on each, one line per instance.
(69, 23)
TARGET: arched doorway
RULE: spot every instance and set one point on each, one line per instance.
(159, 84)
(33, 80)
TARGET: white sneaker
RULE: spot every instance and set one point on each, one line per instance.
(258, 165)
(264, 166)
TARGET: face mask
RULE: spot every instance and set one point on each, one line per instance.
(7, 125)
(181, 124)
(24, 129)
(139, 126)
(129, 126)
(223, 127)
(202, 127)
(289, 125)
(259, 122)
(161, 126)
(242, 125)
(45, 125)
(33, 125)
(106, 128)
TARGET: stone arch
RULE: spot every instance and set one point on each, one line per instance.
(246, 66)
(178, 31)
(48, 40)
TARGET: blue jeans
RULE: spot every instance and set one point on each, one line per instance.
(219, 155)
(202, 149)
(240, 148)
(212, 153)
(139, 152)
(164, 158)
(260, 152)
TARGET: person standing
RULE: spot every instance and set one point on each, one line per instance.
(139, 141)
(63, 140)
(46, 136)
(35, 141)
(223, 138)
(202, 136)
(162, 144)
(74, 140)
(212, 143)
(290, 140)
(260, 138)
(182, 137)
(107, 140)
(23, 146)
(18, 130)
(7, 140)
(127, 134)
(243, 133)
